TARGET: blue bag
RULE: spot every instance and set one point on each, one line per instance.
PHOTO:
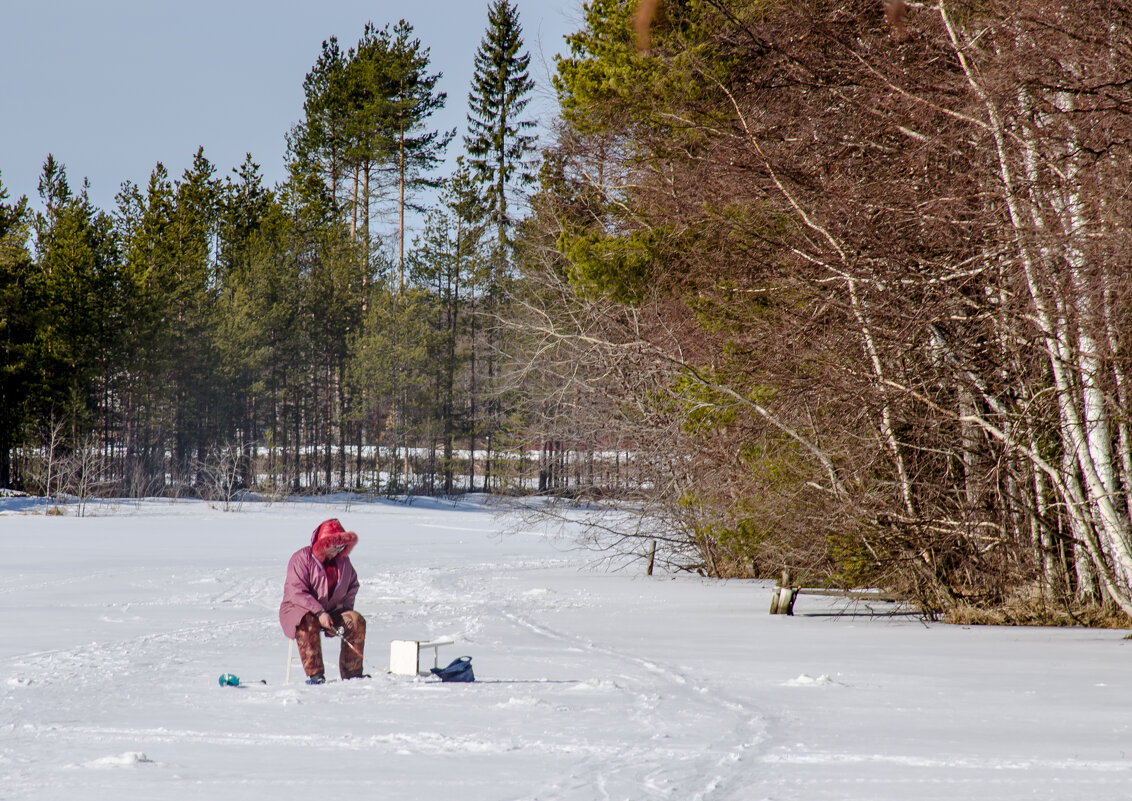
(459, 669)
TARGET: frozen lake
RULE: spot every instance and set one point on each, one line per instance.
(591, 684)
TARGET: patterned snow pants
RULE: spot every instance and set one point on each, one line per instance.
(308, 638)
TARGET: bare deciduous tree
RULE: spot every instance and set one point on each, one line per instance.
(866, 282)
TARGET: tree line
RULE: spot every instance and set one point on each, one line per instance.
(852, 279)
(214, 330)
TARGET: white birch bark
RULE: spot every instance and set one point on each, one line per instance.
(1092, 436)
(860, 312)
(1075, 426)
(1039, 531)
(1123, 438)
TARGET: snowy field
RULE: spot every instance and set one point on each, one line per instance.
(591, 684)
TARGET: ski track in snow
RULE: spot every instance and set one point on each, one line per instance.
(648, 764)
(739, 728)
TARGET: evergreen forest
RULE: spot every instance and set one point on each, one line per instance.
(842, 289)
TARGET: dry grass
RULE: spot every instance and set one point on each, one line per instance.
(1032, 608)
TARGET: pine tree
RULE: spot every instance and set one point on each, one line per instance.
(415, 150)
(141, 220)
(365, 132)
(17, 326)
(78, 279)
(318, 146)
(245, 207)
(196, 286)
(390, 366)
(244, 203)
(450, 260)
(169, 243)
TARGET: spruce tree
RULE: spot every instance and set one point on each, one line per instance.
(501, 89)
(497, 148)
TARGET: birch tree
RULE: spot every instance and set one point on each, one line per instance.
(887, 240)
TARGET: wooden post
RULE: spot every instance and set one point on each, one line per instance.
(652, 557)
(790, 596)
(782, 602)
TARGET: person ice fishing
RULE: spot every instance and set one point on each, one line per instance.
(318, 598)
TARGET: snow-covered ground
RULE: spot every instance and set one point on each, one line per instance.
(591, 685)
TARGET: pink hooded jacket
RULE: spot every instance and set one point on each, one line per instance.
(307, 588)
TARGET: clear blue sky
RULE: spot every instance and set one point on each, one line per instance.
(111, 87)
